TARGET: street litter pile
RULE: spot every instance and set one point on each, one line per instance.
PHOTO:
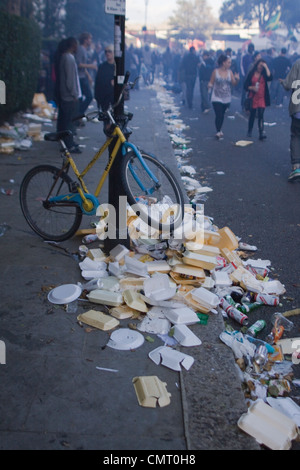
(20, 136)
(265, 367)
(169, 287)
(181, 145)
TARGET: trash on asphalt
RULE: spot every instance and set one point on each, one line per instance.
(41, 107)
(164, 284)
(98, 319)
(151, 391)
(269, 426)
(243, 143)
(125, 339)
(171, 358)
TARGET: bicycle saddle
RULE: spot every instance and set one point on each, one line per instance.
(55, 136)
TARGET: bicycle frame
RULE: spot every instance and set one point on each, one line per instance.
(89, 202)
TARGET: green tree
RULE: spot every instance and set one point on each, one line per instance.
(22, 8)
(291, 14)
(90, 16)
(247, 11)
(193, 19)
(50, 15)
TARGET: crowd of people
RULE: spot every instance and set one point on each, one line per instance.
(84, 70)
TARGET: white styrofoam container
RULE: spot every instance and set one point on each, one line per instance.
(158, 288)
(105, 297)
(118, 252)
(183, 315)
(268, 426)
(88, 275)
(185, 336)
(171, 358)
(135, 266)
(205, 297)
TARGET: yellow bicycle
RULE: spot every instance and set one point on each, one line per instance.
(53, 203)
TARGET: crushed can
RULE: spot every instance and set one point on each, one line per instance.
(266, 299)
(261, 355)
(233, 312)
(256, 328)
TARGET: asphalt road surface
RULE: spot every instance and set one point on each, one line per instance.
(251, 194)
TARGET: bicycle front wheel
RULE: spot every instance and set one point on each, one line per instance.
(153, 191)
(51, 222)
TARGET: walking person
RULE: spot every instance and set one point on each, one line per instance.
(221, 81)
(85, 41)
(104, 81)
(189, 67)
(246, 63)
(205, 70)
(256, 84)
(67, 90)
(292, 82)
(280, 68)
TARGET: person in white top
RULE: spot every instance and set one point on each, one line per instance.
(221, 81)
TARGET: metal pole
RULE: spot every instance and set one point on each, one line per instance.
(115, 189)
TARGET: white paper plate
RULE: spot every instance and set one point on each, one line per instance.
(125, 339)
(64, 294)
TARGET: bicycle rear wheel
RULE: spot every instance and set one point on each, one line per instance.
(51, 222)
(158, 203)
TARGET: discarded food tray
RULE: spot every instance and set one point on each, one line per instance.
(98, 320)
(185, 336)
(268, 426)
(184, 315)
(151, 391)
(64, 294)
(125, 339)
(171, 358)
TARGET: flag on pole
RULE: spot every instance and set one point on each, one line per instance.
(273, 22)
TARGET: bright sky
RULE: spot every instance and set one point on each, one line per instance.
(158, 11)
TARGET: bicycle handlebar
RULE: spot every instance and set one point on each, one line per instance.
(102, 115)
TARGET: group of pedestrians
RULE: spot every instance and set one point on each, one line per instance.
(79, 77)
(263, 79)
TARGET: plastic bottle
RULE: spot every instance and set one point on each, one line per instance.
(261, 355)
(256, 328)
(280, 324)
(260, 342)
(233, 313)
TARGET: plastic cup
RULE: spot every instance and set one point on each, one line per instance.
(279, 320)
(72, 306)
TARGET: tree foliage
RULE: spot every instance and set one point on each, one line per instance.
(248, 11)
(193, 19)
(291, 13)
(58, 18)
(89, 15)
(50, 15)
(19, 61)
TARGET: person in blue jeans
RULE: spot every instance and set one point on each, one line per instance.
(281, 66)
(292, 82)
(205, 70)
(67, 90)
(84, 66)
